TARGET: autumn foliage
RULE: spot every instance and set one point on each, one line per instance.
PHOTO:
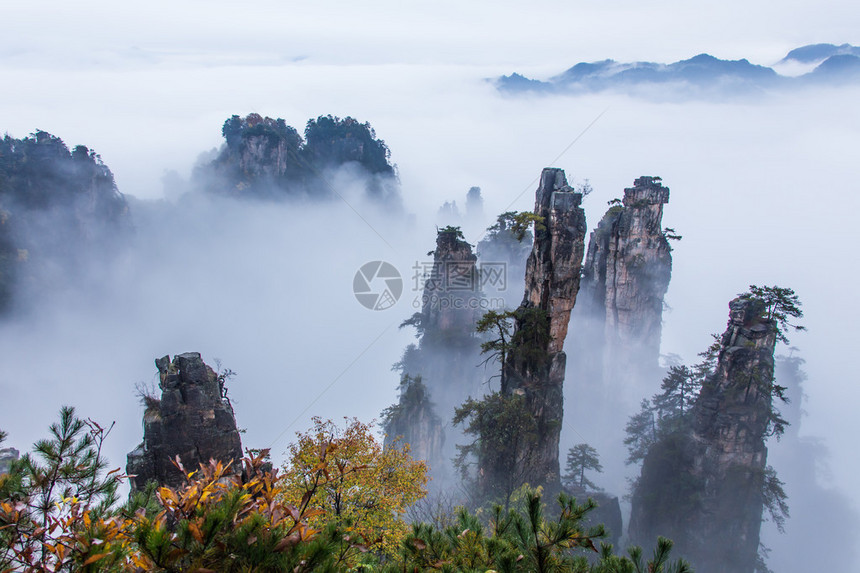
(338, 507)
(366, 488)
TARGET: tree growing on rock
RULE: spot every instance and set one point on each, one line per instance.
(780, 305)
(705, 479)
(504, 440)
(497, 326)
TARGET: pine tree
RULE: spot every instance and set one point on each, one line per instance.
(680, 388)
(780, 304)
(580, 459)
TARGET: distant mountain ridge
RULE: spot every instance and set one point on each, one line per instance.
(817, 53)
(831, 64)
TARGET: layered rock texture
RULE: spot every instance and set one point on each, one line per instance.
(535, 365)
(192, 420)
(624, 279)
(447, 353)
(703, 486)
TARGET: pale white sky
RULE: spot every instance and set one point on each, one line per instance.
(89, 34)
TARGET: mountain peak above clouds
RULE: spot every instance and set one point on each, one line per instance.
(702, 74)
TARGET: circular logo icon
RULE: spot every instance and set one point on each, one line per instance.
(377, 285)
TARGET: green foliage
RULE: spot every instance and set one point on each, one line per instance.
(414, 404)
(410, 361)
(264, 155)
(658, 564)
(257, 520)
(56, 504)
(219, 521)
(416, 321)
(525, 540)
(669, 411)
(504, 435)
(237, 130)
(530, 340)
(670, 234)
(516, 225)
(451, 230)
(39, 175)
(496, 325)
(680, 388)
(508, 241)
(580, 459)
(641, 432)
(331, 140)
(781, 304)
(39, 172)
(775, 498)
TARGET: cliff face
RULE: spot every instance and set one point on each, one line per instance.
(447, 353)
(731, 419)
(703, 487)
(192, 420)
(535, 367)
(625, 277)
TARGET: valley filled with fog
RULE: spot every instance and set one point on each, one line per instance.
(763, 187)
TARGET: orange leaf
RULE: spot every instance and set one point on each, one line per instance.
(94, 558)
(195, 531)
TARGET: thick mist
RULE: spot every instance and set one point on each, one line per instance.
(762, 191)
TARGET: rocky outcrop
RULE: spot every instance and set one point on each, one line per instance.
(413, 421)
(265, 157)
(192, 420)
(57, 207)
(535, 365)
(624, 279)
(451, 291)
(7, 456)
(607, 512)
(704, 487)
(447, 353)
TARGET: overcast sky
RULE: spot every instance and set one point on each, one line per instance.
(763, 190)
